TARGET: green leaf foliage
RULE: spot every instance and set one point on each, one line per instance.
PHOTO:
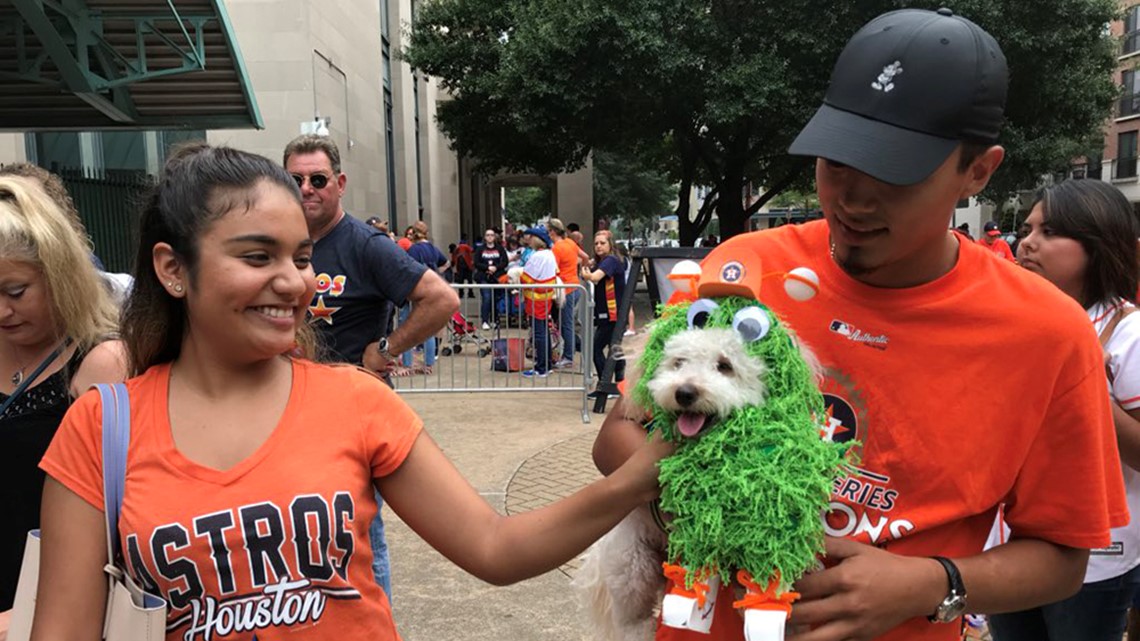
(525, 206)
(725, 85)
(626, 186)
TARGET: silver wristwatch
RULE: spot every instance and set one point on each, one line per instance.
(954, 605)
(382, 348)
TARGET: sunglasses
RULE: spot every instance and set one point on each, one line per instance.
(318, 181)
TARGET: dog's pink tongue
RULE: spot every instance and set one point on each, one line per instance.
(690, 423)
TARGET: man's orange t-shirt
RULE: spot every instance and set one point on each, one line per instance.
(566, 253)
(998, 247)
(279, 543)
(945, 434)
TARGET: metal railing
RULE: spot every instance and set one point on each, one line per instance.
(109, 205)
(475, 353)
(1129, 105)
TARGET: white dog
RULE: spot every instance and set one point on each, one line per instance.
(704, 374)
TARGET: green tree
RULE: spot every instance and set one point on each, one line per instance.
(525, 206)
(717, 89)
(628, 187)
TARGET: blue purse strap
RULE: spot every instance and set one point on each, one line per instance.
(116, 439)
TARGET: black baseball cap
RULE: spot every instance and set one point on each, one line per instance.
(991, 228)
(908, 88)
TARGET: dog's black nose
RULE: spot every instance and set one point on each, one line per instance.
(685, 395)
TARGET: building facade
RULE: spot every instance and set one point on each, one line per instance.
(1118, 162)
(331, 66)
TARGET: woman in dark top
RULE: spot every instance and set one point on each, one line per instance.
(608, 276)
(490, 264)
(54, 311)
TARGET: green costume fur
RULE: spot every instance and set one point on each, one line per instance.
(750, 491)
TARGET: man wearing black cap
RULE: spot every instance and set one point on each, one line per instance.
(907, 325)
(992, 240)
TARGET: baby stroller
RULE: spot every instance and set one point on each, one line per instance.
(459, 331)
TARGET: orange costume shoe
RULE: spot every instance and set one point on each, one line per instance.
(689, 609)
(765, 611)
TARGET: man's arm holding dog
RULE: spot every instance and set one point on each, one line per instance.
(869, 590)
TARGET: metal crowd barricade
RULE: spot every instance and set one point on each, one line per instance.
(471, 346)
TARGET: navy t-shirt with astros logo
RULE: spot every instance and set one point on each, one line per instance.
(361, 273)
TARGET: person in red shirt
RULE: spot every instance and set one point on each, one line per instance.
(993, 240)
(913, 327)
(464, 260)
(569, 255)
(405, 241)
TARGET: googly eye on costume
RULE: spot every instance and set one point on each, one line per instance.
(751, 324)
(700, 311)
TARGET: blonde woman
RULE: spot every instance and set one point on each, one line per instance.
(609, 286)
(55, 318)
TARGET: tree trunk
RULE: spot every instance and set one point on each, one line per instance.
(684, 225)
(685, 233)
(730, 208)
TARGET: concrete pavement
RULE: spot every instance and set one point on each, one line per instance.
(520, 453)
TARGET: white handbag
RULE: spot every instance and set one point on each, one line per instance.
(132, 614)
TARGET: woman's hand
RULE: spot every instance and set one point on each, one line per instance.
(643, 465)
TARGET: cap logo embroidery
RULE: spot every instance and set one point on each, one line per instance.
(884, 82)
(732, 272)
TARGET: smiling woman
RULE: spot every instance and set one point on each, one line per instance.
(251, 470)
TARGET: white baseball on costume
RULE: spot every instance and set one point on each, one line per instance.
(681, 273)
(801, 284)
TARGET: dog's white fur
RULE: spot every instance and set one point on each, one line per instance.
(620, 582)
(713, 362)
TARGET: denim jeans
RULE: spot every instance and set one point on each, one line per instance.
(603, 334)
(566, 323)
(380, 568)
(488, 307)
(540, 335)
(428, 344)
(1097, 613)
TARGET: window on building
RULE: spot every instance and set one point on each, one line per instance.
(1093, 167)
(1131, 42)
(389, 129)
(419, 151)
(107, 152)
(1090, 169)
(1126, 155)
(1129, 93)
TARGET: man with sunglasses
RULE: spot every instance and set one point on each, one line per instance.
(361, 276)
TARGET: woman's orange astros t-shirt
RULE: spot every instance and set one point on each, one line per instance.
(985, 386)
(276, 544)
